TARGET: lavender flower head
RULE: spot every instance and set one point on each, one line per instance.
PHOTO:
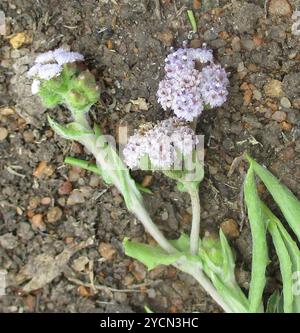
(49, 65)
(164, 144)
(192, 82)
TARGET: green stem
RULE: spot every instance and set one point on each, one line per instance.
(83, 164)
(195, 230)
(194, 270)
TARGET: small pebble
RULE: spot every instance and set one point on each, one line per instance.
(76, 197)
(65, 188)
(164, 215)
(80, 263)
(54, 214)
(285, 102)
(46, 201)
(273, 88)
(280, 8)
(230, 228)
(107, 251)
(3, 133)
(9, 241)
(279, 116)
(37, 222)
(236, 44)
(28, 136)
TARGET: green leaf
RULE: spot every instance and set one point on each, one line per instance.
(143, 189)
(97, 130)
(294, 254)
(182, 244)
(72, 131)
(259, 242)
(147, 309)
(150, 256)
(228, 260)
(285, 199)
(192, 20)
(275, 303)
(284, 259)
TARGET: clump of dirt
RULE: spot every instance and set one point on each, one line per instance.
(47, 207)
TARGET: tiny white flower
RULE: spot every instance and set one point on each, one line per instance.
(68, 57)
(46, 57)
(34, 70)
(164, 144)
(35, 86)
(49, 71)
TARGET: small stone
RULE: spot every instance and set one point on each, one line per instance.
(83, 291)
(74, 174)
(230, 228)
(40, 169)
(286, 126)
(80, 263)
(54, 214)
(6, 111)
(236, 44)
(76, 197)
(37, 222)
(94, 181)
(65, 188)
(49, 170)
(3, 133)
(248, 44)
(273, 88)
(28, 136)
(285, 102)
(61, 201)
(279, 116)
(296, 103)
(287, 154)
(280, 8)
(166, 37)
(196, 43)
(19, 39)
(209, 35)
(164, 215)
(46, 201)
(107, 251)
(139, 271)
(33, 203)
(9, 241)
(247, 97)
(240, 67)
(186, 218)
(140, 103)
(257, 94)
(147, 180)
(24, 231)
(197, 4)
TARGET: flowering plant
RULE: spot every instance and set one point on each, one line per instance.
(170, 147)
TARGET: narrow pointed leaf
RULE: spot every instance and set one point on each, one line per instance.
(259, 247)
(284, 260)
(285, 199)
(150, 256)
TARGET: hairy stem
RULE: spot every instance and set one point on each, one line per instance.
(111, 167)
(194, 270)
(195, 230)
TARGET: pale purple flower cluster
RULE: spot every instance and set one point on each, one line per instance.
(186, 89)
(164, 144)
(50, 64)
